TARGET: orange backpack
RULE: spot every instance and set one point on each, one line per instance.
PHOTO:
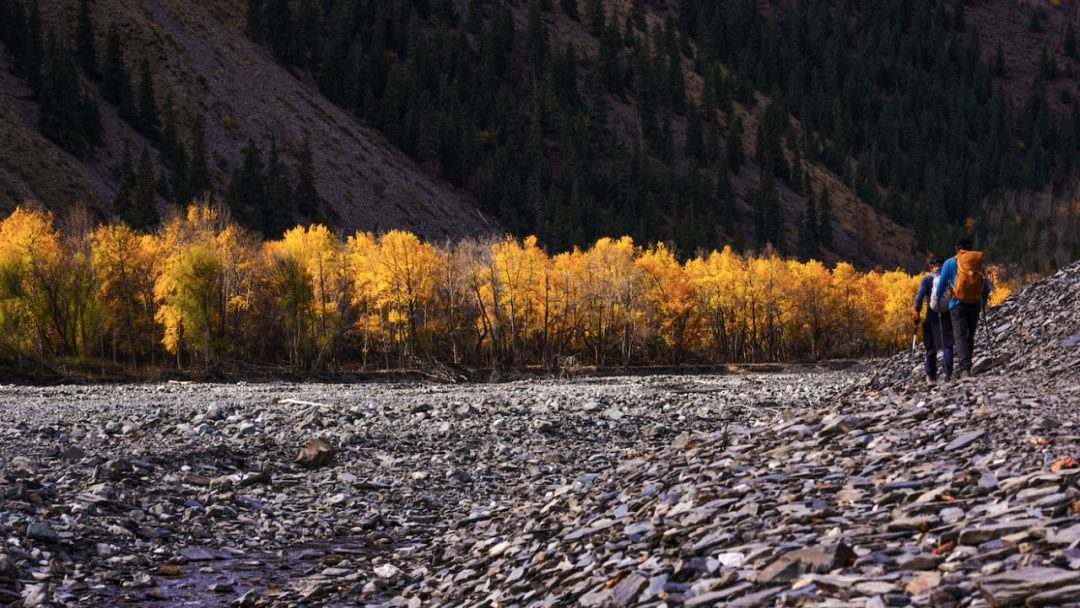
(968, 286)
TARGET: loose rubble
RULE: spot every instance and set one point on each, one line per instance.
(807, 487)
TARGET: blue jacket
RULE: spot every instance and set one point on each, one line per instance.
(948, 277)
(925, 285)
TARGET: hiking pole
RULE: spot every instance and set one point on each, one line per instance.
(989, 338)
(914, 341)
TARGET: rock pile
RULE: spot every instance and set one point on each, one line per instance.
(857, 488)
(204, 493)
(1036, 331)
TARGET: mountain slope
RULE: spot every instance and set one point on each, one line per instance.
(700, 124)
(207, 69)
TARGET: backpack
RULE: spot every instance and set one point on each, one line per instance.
(968, 286)
(938, 305)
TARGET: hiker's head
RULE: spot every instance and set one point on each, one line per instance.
(964, 244)
(935, 262)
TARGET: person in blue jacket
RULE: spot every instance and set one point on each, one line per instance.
(936, 327)
(965, 316)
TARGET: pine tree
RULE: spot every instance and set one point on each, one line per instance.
(598, 108)
(808, 230)
(999, 60)
(246, 187)
(34, 63)
(275, 206)
(279, 29)
(91, 119)
(199, 171)
(61, 117)
(570, 8)
(84, 39)
(1070, 41)
(735, 155)
(179, 186)
(637, 12)
(13, 28)
(308, 34)
(307, 197)
(254, 25)
(536, 36)
(144, 214)
(594, 14)
(169, 137)
(114, 72)
(695, 146)
(676, 81)
(824, 222)
(149, 120)
(725, 198)
(124, 201)
(768, 214)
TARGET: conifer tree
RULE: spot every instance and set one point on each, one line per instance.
(712, 143)
(307, 197)
(144, 210)
(275, 206)
(570, 8)
(114, 72)
(61, 117)
(999, 61)
(149, 120)
(179, 187)
(254, 25)
(695, 146)
(199, 170)
(13, 29)
(84, 39)
(594, 14)
(637, 13)
(808, 230)
(824, 222)
(735, 155)
(536, 36)
(1070, 41)
(279, 29)
(246, 187)
(169, 138)
(91, 119)
(768, 214)
(308, 34)
(725, 197)
(34, 63)
(124, 201)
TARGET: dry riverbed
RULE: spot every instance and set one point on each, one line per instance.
(189, 494)
(807, 486)
(860, 487)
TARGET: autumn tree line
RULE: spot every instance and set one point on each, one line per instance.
(199, 292)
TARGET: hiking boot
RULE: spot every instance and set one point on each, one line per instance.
(931, 381)
(960, 375)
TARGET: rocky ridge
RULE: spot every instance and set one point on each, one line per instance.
(860, 487)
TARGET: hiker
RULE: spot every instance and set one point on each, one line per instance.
(965, 284)
(937, 326)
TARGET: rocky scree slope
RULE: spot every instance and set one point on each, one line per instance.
(188, 493)
(856, 488)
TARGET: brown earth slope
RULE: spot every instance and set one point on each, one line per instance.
(204, 62)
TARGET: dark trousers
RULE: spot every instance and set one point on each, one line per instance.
(965, 319)
(937, 335)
